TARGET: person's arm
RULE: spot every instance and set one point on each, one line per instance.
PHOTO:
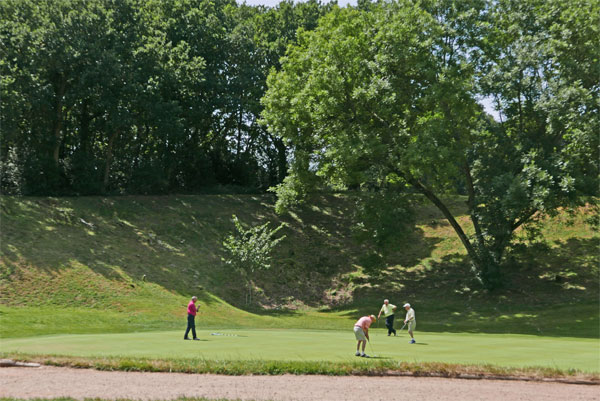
(380, 310)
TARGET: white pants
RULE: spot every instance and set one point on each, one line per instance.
(359, 333)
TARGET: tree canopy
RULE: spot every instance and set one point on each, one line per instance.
(132, 96)
(387, 98)
(163, 96)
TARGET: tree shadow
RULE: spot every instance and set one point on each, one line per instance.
(549, 290)
(176, 242)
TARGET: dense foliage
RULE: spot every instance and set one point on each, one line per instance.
(162, 96)
(385, 99)
(136, 96)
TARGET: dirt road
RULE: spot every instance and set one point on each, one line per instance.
(49, 382)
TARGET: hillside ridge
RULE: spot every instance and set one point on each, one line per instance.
(142, 257)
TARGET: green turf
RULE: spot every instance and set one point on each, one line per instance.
(135, 269)
(325, 345)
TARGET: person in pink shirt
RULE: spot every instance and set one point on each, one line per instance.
(361, 332)
(191, 319)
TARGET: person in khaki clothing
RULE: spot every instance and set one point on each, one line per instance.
(411, 321)
(388, 311)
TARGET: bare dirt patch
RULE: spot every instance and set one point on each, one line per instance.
(46, 382)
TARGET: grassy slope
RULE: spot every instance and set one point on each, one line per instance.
(60, 275)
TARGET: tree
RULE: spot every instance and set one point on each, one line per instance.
(249, 250)
(387, 96)
(140, 96)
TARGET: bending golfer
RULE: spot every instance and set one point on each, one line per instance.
(191, 319)
(410, 320)
(361, 332)
(388, 312)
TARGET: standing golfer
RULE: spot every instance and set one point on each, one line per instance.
(388, 312)
(191, 319)
(361, 332)
(410, 320)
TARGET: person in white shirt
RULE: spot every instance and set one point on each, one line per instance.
(410, 320)
(388, 312)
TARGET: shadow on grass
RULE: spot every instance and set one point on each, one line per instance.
(175, 242)
(548, 291)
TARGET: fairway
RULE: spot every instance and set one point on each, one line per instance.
(325, 345)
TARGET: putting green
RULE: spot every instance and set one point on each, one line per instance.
(324, 345)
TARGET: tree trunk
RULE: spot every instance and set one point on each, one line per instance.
(281, 160)
(60, 89)
(109, 149)
(84, 137)
(471, 204)
(447, 214)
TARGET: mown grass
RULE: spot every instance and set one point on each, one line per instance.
(324, 346)
(130, 264)
(366, 367)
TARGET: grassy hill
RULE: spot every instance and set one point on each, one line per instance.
(94, 264)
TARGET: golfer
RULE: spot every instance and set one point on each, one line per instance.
(410, 320)
(361, 332)
(388, 312)
(191, 319)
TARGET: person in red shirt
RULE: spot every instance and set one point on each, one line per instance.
(361, 332)
(191, 319)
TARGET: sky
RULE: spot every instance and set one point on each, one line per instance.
(485, 102)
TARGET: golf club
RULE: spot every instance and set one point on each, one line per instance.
(372, 350)
(402, 328)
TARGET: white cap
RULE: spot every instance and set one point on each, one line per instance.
(405, 305)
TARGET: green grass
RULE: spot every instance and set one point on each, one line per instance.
(30, 321)
(329, 346)
(92, 279)
(135, 268)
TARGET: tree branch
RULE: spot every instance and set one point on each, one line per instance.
(419, 186)
(523, 219)
(471, 204)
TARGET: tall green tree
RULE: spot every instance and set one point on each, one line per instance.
(135, 96)
(388, 96)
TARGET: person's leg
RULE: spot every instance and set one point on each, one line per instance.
(358, 334)
(388, 325)
(194, 327)
(364, 345)
(189, 327)
(391, 328)
(411, 327)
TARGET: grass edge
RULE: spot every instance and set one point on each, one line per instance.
(363, 367)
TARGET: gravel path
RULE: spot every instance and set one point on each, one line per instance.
(49, 382)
